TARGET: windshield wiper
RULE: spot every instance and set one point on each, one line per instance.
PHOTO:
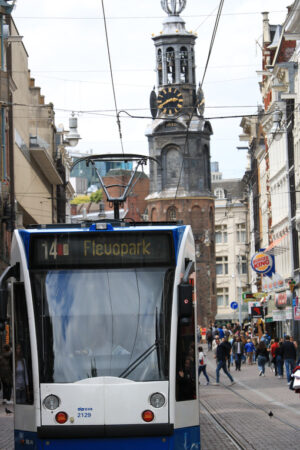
(139, 360)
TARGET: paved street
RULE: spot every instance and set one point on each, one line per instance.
(244, 409)
(6, 426)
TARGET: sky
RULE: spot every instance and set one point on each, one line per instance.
(65, 40)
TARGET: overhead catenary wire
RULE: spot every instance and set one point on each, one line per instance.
(112, 77)
(195, 106)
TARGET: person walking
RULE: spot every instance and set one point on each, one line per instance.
(249, 349)
(228, 348)
(262, 355)
(202, 364)
(238, 351)
(288, 350)
(274, 345)
(279, 360)
(221, 357)
(6, 374)
(209, 338)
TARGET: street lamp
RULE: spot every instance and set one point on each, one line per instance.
(72, 136)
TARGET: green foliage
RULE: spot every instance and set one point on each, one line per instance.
(97, 196)
(80, 199)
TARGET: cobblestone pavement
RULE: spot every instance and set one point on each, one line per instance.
(244, 408)
(6, 426)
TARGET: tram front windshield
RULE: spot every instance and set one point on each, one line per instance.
(99, 322)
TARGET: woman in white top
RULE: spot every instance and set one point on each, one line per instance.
(202, 364)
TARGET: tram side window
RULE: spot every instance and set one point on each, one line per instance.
(23, 367)
(185, 363)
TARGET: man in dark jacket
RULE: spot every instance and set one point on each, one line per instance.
(222, 354)
(288, 352)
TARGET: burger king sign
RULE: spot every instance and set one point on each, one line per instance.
(262, 263)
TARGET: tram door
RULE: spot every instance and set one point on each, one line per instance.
(187, 431)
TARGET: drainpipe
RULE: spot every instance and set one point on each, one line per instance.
(11, 137)
(3, 143)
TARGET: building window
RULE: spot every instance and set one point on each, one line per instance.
(184, 65)
(171, 213)
(222, 265)
(159, 66)
(222, 296)
(221, 234)
(219, 193)
(241, 232)
(241, 265)
(170, 54)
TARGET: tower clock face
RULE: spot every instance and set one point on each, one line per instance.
(169, 101)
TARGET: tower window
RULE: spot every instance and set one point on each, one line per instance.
(184, 65)
(219, 193)
(159, 66)
(171, 213)
(170, 54)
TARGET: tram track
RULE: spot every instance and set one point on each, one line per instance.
(225, 428)
(258, 407)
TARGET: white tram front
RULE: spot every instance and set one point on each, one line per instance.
(104, 340)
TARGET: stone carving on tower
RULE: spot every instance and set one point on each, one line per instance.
(179, 138)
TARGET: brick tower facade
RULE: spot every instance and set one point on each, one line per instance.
(179, 138)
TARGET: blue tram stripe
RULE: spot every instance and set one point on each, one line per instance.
(183, 439)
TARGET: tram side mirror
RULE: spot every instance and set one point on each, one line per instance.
(185, 300)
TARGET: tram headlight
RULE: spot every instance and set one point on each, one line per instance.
(51, 402)
(157, 400)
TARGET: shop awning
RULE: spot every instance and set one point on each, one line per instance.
(274, 248)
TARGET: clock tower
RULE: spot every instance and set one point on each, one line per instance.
(179, 138)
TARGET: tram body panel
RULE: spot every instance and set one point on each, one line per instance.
(185, 414)
(26, 417)
(103, 403)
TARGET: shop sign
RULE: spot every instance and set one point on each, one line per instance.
(283, 298)
(297, 309)
(288, 314)
(257, 312)
(278, 315)
(262, 263)
(251, 304)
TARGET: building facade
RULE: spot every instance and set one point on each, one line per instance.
(271, 179)
(232, 246)
(179, 139)
(33, 167)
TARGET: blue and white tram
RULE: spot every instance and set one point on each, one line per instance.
(104, 337)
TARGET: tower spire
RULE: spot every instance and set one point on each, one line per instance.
(173, 7)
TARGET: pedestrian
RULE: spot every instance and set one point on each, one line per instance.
(249, 349)
(6, 374)
(202, 364)
(262, 355)
(209, 338)
(274, 345)
(238, 351)
(221, 357)
(279, 360)
(289, 357)
(229, 348)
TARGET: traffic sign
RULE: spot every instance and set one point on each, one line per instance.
(234, 305)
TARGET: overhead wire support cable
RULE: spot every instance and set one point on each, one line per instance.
(213, 38)
(112, 77)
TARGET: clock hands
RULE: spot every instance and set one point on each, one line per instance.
(174, 99)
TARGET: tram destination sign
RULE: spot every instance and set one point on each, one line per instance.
(101, 249)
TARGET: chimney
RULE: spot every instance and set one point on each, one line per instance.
(266, 29)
